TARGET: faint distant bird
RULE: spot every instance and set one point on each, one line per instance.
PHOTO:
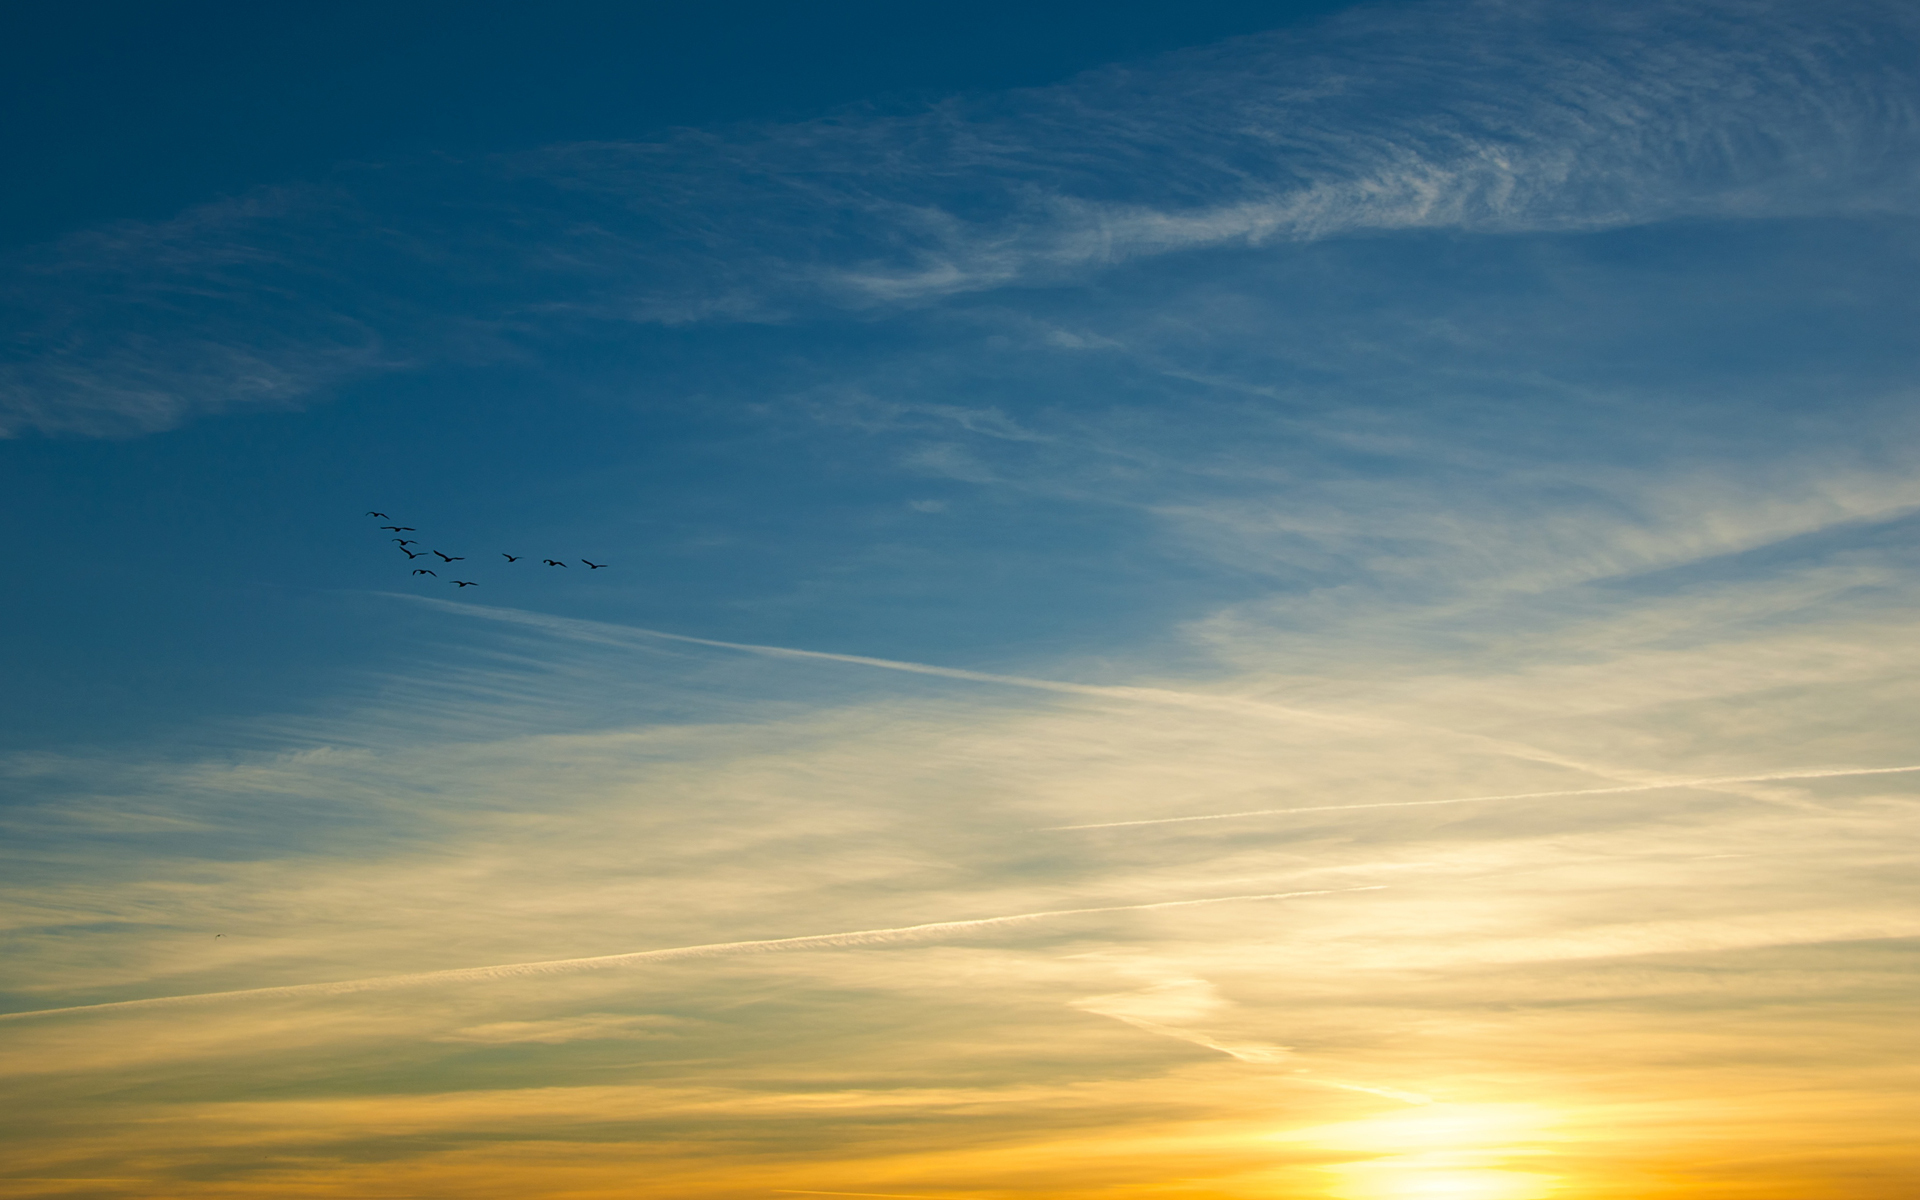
(424, 571)
(594, 565)
(554, 562)
(382, 516)
(465, 583)
(400, 528)
(408, 553)
(451, 557)
(219, 935)
(510, 557)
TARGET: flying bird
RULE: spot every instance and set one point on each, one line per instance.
(594, 565)
(465, 583)
(424, 571)
(382, 516)
(510, 557)
(410, 554)
(451, 557)
(399, 528)
(554, 562)
(407, 541)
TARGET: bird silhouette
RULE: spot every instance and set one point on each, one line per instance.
(465, 583)
(382, 516)
(510, 557)
(554, 562)
(399, 528)
(407, 541)
(410, 554)
(451, 557)
(424, 571)
(594, 566)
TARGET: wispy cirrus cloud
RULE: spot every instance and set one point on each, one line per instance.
(924, 803)
(1478, 117)
(1520, 391)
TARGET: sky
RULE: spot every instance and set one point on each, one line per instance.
(1221, 601)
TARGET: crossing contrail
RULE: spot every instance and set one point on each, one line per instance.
(606, 633)
(627, 635)
(1608, 791)
(567, 966)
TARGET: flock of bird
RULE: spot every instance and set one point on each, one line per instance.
(447, 560)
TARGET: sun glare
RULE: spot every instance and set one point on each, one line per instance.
(1445, 1152)
(1412, 1181)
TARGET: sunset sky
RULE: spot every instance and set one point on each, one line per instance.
(1197, 601)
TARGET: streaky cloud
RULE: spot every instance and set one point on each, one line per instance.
(563, 966)
(1486, 117)
(1706, 782)
(627, 634)
(1238, 706)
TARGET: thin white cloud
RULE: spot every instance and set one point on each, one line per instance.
(1468, 569)
(560, 1030)
(1718, 781)
(1223, 704)
(1530, 950)
(1485, 117)
(1187, 998)
(822, 941)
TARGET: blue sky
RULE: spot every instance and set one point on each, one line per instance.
(271, 127)
(1010, 434)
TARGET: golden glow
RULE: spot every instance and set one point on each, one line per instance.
(1416, 1181)
(1442, 1152)
(1725, 1033)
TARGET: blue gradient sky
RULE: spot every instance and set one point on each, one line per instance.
(1016, 422)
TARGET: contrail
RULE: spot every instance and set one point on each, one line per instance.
(606, 633)
(1404, 1097)
(564, 966)
(1610, 791)
(626, 635)
(1253, 1053)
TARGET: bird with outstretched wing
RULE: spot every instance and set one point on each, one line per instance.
(554, 562)
(423, 571)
